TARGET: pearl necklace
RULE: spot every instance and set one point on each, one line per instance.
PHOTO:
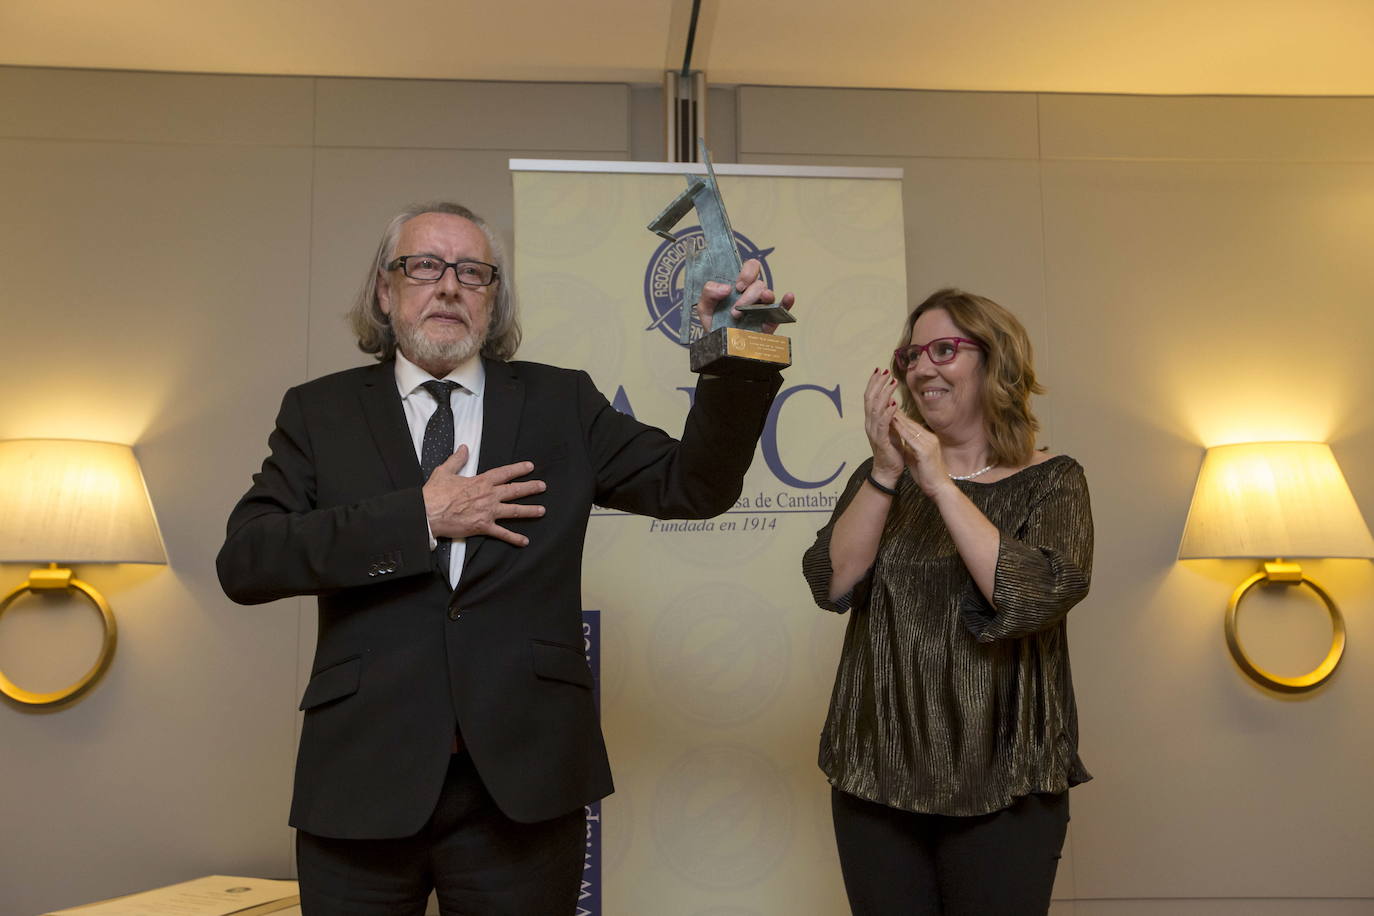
(978, 473)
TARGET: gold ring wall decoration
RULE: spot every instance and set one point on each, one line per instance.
(1286, 574)
(55, 579)
(75, 502)
(1259, 500)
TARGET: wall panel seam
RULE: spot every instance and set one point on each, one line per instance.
(1272, 899)
(120, 141)
(509, 151)
(1219, 160)
(893, 155)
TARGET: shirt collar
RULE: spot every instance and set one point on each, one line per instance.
(470, 374)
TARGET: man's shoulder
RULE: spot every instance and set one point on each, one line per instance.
(536, 372)
(347, 380)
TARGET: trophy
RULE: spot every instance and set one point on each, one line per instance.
(730, 346)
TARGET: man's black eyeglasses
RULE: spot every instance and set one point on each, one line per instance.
(430, 268)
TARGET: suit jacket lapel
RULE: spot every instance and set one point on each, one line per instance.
(387, 422)
(502, 403)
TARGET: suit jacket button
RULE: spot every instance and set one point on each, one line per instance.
(454, 613)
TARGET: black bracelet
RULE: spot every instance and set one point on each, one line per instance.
(890, 491)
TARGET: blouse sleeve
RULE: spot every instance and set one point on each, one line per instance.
(1044, 569)
(816, 561)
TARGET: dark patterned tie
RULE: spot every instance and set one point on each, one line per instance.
(435, 450)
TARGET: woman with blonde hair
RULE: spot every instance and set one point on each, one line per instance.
(957, 549)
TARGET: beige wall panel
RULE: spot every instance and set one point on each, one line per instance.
(154, 107)
(436, 114)
(358, 190)
(646, 124)
(173, 325)
(1353, 449)
(1156, 127)
(874, 122)
(1195, 304)
(722, 124)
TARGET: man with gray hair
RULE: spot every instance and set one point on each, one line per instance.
(436, 503)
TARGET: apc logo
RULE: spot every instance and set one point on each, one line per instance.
(663, 279)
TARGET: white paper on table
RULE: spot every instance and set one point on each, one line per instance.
(216, 895)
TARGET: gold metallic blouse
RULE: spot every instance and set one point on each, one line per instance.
(944, 703)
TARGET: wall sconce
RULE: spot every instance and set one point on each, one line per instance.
(1276, 500)
(69, 501)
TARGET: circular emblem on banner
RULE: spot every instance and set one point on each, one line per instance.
(663, 279)
(720, 653)
(722, 816)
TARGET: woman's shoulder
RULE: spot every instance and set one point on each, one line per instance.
(1045, 456)
(1056, 463)
(1041, 463)
(1053, 472)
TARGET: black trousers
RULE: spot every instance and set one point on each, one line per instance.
(478, 861)
(897, 863)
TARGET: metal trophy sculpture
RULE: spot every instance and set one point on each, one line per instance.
(731, 346)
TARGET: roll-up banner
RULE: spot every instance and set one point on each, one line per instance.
(715, 664)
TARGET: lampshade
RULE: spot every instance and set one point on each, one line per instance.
(71, 501)
(1271, 500)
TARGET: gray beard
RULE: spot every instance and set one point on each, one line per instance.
(423, 351)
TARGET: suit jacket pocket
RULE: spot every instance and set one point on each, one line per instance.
(333, 683)
(547, 456)
(559, 662)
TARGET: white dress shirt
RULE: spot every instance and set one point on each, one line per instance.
(466, 401)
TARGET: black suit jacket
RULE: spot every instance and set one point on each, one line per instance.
(402, 659)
